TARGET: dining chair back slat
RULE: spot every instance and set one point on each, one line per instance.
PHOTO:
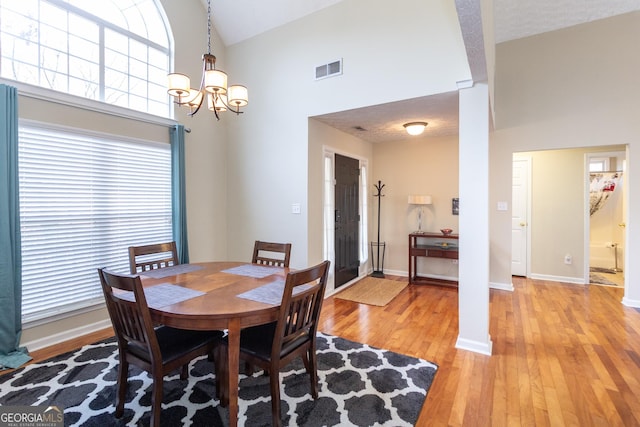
(270, 253)
(128, 310)
(151, 257)
(298, 322)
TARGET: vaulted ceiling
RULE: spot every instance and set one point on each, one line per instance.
(238, 20)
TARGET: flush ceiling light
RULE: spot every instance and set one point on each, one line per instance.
(415, 128)
(213, 85)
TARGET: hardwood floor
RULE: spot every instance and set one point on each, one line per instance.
(563, 354)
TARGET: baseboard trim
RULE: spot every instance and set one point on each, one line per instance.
(563, 279)
(475, 346)
(66, 335)
(634, 303)
(501, 286)
(396, 273)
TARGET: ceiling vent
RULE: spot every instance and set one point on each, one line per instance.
(329, 70)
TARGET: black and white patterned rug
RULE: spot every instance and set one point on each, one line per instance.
(359, 386)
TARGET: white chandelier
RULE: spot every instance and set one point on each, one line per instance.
(213, 85)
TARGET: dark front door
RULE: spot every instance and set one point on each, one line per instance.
(347, 218)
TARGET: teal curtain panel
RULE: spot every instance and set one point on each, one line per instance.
(11, 354)
(178, 193)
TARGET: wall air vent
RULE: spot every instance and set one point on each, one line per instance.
(331, 69)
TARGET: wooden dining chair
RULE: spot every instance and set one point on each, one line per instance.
(151, 257)
(273, 345)
(265, 253)
(157, 350)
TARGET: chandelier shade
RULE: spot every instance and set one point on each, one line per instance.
(215, 81)
(217, 103)
(179, 85)
(238, 95)
(220, 97)
(193, 98)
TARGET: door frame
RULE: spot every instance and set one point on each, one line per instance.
(365, 267)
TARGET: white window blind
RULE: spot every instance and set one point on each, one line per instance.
(84, 198)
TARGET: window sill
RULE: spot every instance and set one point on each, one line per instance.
(61, 313)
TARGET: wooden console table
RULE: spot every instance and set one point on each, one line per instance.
(436, 245)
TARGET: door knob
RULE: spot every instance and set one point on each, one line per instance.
(523, 224)
(622, 224)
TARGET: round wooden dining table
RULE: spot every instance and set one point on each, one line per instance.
(215, 304)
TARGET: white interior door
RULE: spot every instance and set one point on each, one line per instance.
(519, 216)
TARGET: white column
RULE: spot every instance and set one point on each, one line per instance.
(473, 290)
(632, 251)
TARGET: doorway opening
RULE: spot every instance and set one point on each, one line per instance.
(557, 223)
(606, 173)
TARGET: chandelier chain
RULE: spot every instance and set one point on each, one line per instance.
(209, 25)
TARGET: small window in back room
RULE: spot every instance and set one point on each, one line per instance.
(598, 164)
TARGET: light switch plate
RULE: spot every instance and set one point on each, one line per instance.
(295, 208)
(502, 206)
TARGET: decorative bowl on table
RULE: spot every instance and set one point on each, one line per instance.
(446, 231)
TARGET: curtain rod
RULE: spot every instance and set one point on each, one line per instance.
(607, 172)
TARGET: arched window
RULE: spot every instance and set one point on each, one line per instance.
(115, 51)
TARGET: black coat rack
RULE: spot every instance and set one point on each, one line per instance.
(378, 270)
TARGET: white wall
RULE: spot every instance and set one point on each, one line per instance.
(571, 88)
(558, 209)
(243, 173)
(388, 55)
(421, 165)
(205, 146)
(205, 161)
(564, 89)
(323, 137)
